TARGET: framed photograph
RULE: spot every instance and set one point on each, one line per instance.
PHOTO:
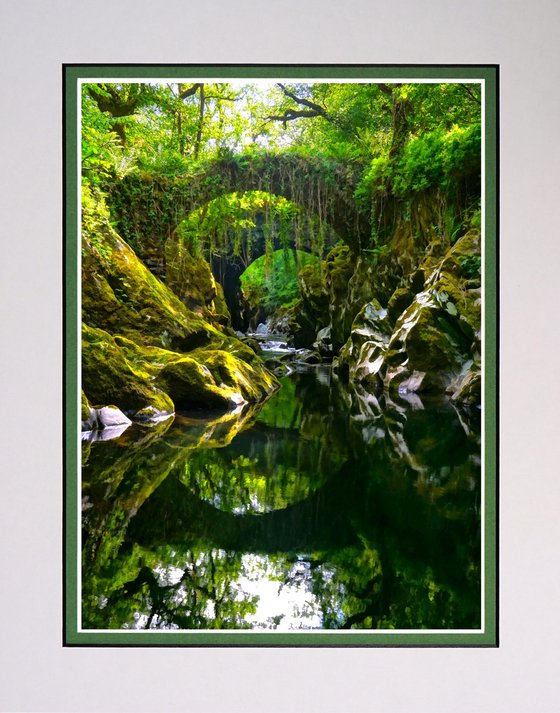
(281, 355)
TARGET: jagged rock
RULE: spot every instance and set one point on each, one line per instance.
(121, 296)
(306, 356)
(323, 343)
(469, 387)
(400, 299)
(361, 358)
(434, 345)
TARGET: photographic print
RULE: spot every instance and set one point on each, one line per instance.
(280, 355)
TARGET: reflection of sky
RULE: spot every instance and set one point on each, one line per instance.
(280, 606)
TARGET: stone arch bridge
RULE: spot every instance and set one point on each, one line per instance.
(148, 208)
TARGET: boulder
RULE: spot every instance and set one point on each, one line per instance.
(148, 383)
(191, 385)
(237, 371)
(114, 373)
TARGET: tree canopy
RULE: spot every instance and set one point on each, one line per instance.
(395, 140)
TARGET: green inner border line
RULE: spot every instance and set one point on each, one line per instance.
(72, 73)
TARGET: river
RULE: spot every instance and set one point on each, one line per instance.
(323, 508)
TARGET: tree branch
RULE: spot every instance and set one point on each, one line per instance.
(316, 108)
(190, 91)
(290, 115)
(473, 96)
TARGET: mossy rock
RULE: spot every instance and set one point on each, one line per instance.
(110, 376)
(469, 388)
(191, 385)
(339, 267)
(191, 279)
(361, 358)
(214, 379)
(253, 344)
(428, 342)
(85, 408)
(233, 370)
(313, 294)
(277, 366)
(400, 300)
(121, 296)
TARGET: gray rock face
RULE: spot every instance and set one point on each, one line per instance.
(324, 344)
(433, 345)
(104, 423)
(361, 358)
(108, 416)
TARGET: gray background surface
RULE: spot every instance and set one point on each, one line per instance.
(36, 673)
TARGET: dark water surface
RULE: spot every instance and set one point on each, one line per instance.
(321, 509)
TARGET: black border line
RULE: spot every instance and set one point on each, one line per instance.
(375, 645)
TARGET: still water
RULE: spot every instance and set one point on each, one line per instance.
(324, 508)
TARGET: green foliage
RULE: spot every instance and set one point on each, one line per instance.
(470, 266)
(434, 159)
(272, 280)
(95, 219)
(228, 224)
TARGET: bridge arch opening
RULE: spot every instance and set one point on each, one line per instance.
(256, 234)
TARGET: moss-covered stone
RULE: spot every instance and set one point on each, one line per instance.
(313, 294)
(112, 374)
(148, 382)
(85, 408)
(401, 299)
(191, 279)
(434, 345)
(191, 384)
(230, 369)
(121, 296)
(360, 359)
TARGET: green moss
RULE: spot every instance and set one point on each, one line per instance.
(108, 377)
(400, 300)
(191, 384)
(121, 296)
(85, 407)
(191, 279)
(252, 381)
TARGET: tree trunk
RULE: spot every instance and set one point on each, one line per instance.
(200, 122)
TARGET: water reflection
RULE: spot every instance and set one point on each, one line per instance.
(322, 508)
